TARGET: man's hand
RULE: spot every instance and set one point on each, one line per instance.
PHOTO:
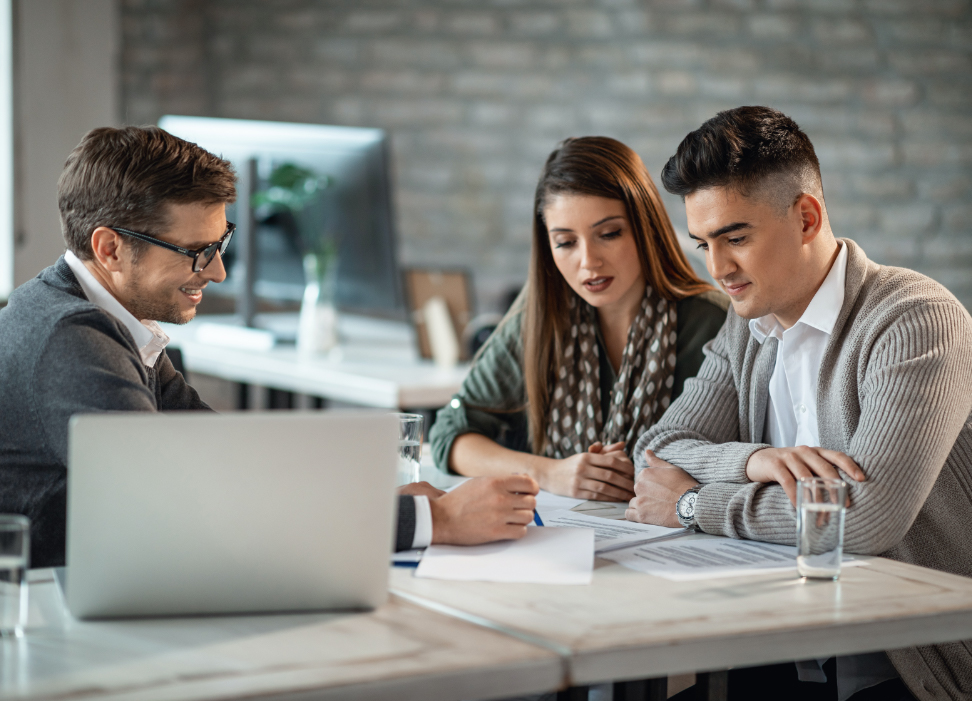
(484, 509)
(788, 465)
(657, 490)
(420, 489)
(603, 473)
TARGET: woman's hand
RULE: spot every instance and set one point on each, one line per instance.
(603, 473)
(787, 466)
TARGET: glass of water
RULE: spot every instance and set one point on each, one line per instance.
(821, 507)
(14, 554)
(410, 432)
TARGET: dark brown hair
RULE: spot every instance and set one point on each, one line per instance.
(600, 167)
(127, 178)
(744, 149)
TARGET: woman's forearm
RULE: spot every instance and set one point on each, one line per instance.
(475, 455)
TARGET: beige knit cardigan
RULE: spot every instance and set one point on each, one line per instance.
(895, 394)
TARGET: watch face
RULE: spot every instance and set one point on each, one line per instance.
(686, 505)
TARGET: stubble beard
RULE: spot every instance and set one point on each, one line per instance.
(149, 307)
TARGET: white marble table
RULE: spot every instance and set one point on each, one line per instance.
(399, 651)
(377, 365)
(630, 625)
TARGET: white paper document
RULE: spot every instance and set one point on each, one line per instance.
(542, 556)
(608, 532)
(554, 502)
(687, 559)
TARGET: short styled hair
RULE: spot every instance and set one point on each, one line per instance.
(755, 151)
(128, 177)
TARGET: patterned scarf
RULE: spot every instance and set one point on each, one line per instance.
(642, 391)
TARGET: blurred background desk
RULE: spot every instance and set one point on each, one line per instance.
(376, 365)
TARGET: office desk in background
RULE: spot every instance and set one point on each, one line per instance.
(377, 364)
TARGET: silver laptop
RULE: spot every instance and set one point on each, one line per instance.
(199, 513)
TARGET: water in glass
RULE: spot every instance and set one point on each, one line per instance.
(820, 530)
(410, 433)
(409, 458)
(13, 595)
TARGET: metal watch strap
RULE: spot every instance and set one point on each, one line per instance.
(687, 523)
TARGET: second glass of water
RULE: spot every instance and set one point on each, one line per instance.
(821, 507)
(410, 432)
(14, 554)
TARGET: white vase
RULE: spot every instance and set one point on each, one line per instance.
(317, 327)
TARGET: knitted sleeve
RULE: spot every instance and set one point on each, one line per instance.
(914, 396)
(700, 432)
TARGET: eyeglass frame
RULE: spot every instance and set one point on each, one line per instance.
(221, 245)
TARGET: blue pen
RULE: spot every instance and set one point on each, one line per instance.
(536, 518)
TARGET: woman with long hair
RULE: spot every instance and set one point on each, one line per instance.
(610, 324)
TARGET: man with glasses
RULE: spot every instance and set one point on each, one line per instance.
(143, 218)
(143, 215)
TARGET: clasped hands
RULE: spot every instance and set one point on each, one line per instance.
(658, 488)
(603, 473)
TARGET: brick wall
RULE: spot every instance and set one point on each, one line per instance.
(476, 94)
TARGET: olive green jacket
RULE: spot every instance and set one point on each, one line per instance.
(496, 378)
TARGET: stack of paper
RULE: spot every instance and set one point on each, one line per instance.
(610, 534)
(554, 502)
(702, 557)
(542, 556)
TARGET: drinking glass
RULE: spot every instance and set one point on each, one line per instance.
(409, 447)
(821, 507)
(14, 554)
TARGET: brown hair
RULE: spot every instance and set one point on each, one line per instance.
(127, 178)
(600, 167)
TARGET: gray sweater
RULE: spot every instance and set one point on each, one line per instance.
(61, 355)
(895, 394)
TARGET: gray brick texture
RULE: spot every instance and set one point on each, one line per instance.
(476, 94)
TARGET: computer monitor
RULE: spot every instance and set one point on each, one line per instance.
(342, 196)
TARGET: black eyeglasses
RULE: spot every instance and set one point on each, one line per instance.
(201, 257)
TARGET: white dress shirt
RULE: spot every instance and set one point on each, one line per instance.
(791, 413)
(149, 336)
(791, 420)
(423, 523)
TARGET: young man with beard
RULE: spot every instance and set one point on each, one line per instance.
(828, 364)
(143, 215)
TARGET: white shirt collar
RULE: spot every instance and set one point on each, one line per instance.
(823, 310)
(149, 336)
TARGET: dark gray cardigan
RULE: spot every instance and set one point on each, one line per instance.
(61, 355)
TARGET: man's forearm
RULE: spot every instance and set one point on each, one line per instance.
(753, 511)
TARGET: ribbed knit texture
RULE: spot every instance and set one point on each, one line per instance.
(895, 394)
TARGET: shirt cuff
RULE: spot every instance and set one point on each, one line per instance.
(422, 538)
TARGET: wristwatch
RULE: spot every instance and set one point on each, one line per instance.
(685, 507)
